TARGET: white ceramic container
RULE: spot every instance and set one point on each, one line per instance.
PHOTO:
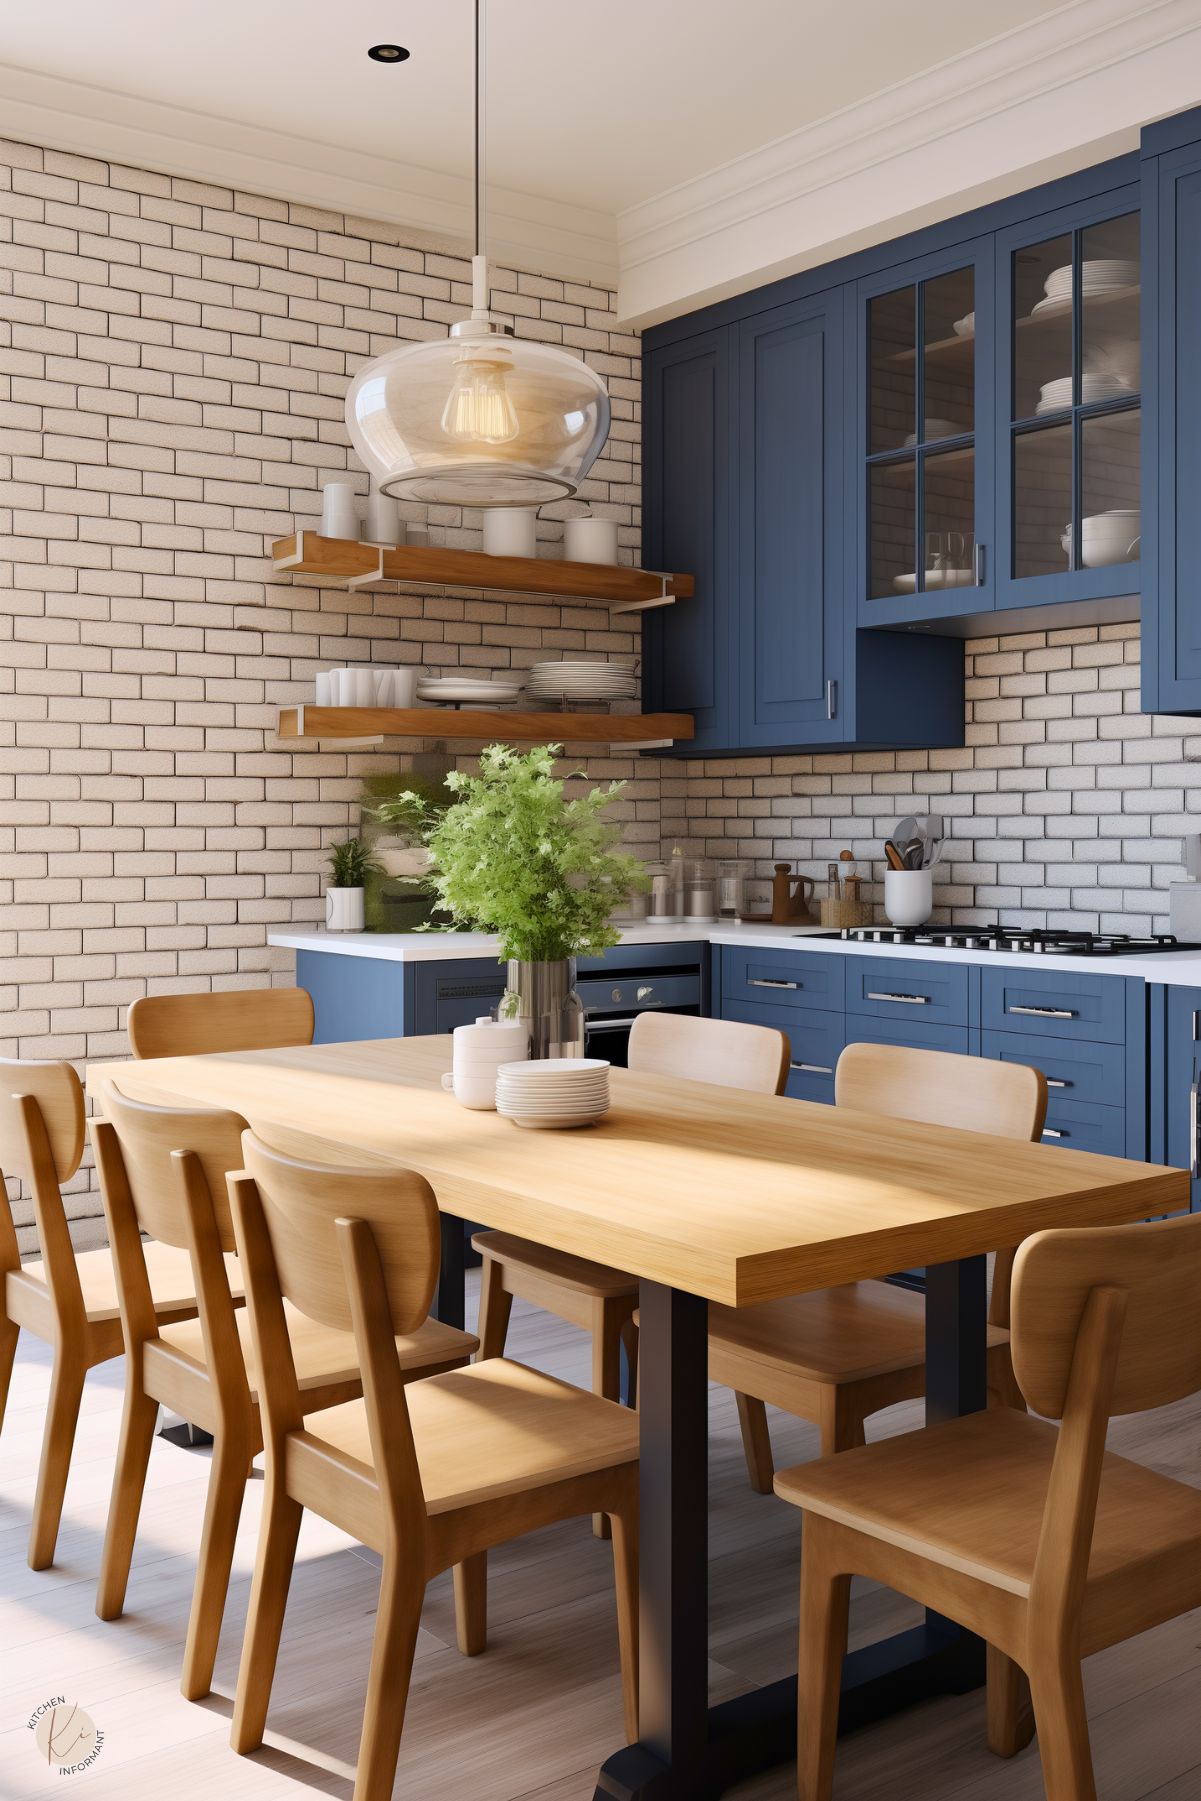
(344, 910)
(395, 687)
(908, 896)
(383, 523)
(339, 514)
(590, 540)
(479, 1051)
(510, 531)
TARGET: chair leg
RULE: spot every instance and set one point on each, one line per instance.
(265, 1618)
(1062, 1723)
(496, 1304)
(1010, 1718)
(606, 1372)
(1003, 1390)
(756, 1443)
(138, 1422)
(471, 1604)
(825, 1605)
(625, 1574)
(9, 1333)
(58, 1441)
(222, 1510)
(396, 1626)
(841, 1422)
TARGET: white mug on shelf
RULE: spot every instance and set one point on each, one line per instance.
(395, 687)
(324, 688)
(384, 525)
(590, 540)
(339, 514)
(363, 687)
(908, 896)
(510, 531)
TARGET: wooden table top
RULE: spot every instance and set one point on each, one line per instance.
(733, 1196)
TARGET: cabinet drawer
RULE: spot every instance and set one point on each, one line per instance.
(862, 1029)
(1079, 1126)
(785, 979)
(903, 988)
(1074, 1072)
(815, 1040)
(1061, 1006)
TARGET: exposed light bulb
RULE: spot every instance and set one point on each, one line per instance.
(478, 409)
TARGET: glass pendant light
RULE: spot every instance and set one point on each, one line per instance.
(480, 419)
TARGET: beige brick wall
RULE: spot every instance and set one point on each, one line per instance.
(173, 364)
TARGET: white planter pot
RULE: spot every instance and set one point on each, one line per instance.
(344, 909)
(908, 896)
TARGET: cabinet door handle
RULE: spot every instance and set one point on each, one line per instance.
(1196, 1018)
(770, 982)
(907, 1000)
(1194, 1165)
(1050, 1132)
(1044, 1012)
(813, 1069)
(831, 699)
(981, 564)
(1054, 1082)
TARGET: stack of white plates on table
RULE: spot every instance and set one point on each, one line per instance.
(579, 680)
(459, 691)
(553, 1091)
(1095, 384)
(1099, 275)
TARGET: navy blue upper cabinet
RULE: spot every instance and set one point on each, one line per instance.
(1171, 647)
(788, 652)
(1069, 381)
(688, 474)
(924, 456)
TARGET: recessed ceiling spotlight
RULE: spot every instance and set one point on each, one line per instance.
(388, 53)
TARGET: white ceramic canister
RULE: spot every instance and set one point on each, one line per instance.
(339, 514)
(344, 910)
(908, 896)
(590, 540)
(479, 1050)
(510, 531)
(384, 526)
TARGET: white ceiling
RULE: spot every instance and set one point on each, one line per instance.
(601, 104)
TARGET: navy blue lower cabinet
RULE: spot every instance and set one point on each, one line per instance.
(356, 997)
(1047, 1003)
(918, 1035)
(815, 1042)
(783, 979)
(1182, 1073)
(1095, 1073)
(901, 988)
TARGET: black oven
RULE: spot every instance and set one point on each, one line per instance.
(613, 1001)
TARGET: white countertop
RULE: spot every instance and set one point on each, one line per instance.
(1182, 968)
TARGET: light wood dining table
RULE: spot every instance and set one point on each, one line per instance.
(705, 1194)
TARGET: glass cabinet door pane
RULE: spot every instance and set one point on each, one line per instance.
(1042, 501)
(1109, 303)
(949, 511)
(892, 355)
(1111, 521)
(1042, 328)
(893, 528)
(949, 362)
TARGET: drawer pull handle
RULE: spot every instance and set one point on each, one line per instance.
(907, 1000)
(1196, 1025)
(1194, 1165)
(1050, 1132)
(1045, 1012)
(770, 982)
(813, 1069)
(1054, 1082)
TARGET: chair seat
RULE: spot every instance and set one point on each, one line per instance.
(969, 1494)
(836, 1335)
(172, 1283)
(325, 1357)
(577, 1273)
(493, 1429)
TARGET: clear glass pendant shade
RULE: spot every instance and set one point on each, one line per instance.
(478, 419)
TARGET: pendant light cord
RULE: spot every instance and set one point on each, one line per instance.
(479, 124)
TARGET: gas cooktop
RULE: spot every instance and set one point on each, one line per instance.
(1013, 938)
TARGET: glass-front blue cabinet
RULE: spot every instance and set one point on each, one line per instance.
(1069, 387)
(924, 457)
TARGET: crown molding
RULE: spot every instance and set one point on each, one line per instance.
(524, 230)
(1001, 116)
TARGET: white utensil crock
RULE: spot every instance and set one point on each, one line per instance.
(590, 540)
(908, 896)
(509, 531)
(339, 515)
(344, 909)
(383, 520)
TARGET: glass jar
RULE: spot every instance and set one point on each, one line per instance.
(733, 873)
(700, 893)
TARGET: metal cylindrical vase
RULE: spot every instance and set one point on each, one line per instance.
(543, 996)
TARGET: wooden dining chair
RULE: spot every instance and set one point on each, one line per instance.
(1029, 1534)
(67, 1298)
(163, 1172)
(240, 1019)
(837, 1356)
(429, 1475)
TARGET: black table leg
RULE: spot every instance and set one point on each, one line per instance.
(957, 1383)
(450, 1301)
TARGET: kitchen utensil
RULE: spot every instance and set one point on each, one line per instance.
(893, 856)
(339, 515)
(914, 853)
(510, 531)
(905, 833)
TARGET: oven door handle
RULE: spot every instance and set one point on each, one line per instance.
(608, 1025)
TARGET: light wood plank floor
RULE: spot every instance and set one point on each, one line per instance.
(534, 1716)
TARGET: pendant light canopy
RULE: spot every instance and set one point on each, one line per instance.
(480, 418)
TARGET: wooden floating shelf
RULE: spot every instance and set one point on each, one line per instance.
(632, 730)
(425, 566)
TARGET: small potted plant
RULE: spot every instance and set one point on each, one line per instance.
(514, 855)
(350, 863)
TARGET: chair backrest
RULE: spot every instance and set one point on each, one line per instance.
(41, 1143)
(148, 1136)
(943, 1088)
(1155, 1267)
(301, 1205)
(240, 1019)
(722, 1051)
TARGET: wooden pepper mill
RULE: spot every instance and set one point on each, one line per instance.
(790, 897)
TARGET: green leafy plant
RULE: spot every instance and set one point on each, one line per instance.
(350, 863)
(513, 855)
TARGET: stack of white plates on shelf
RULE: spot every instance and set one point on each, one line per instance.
(1095, 384)
(553, 1091)
(937, 428)
(965, 327)
(1100, 275)
(458, 691)
(561, 682)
